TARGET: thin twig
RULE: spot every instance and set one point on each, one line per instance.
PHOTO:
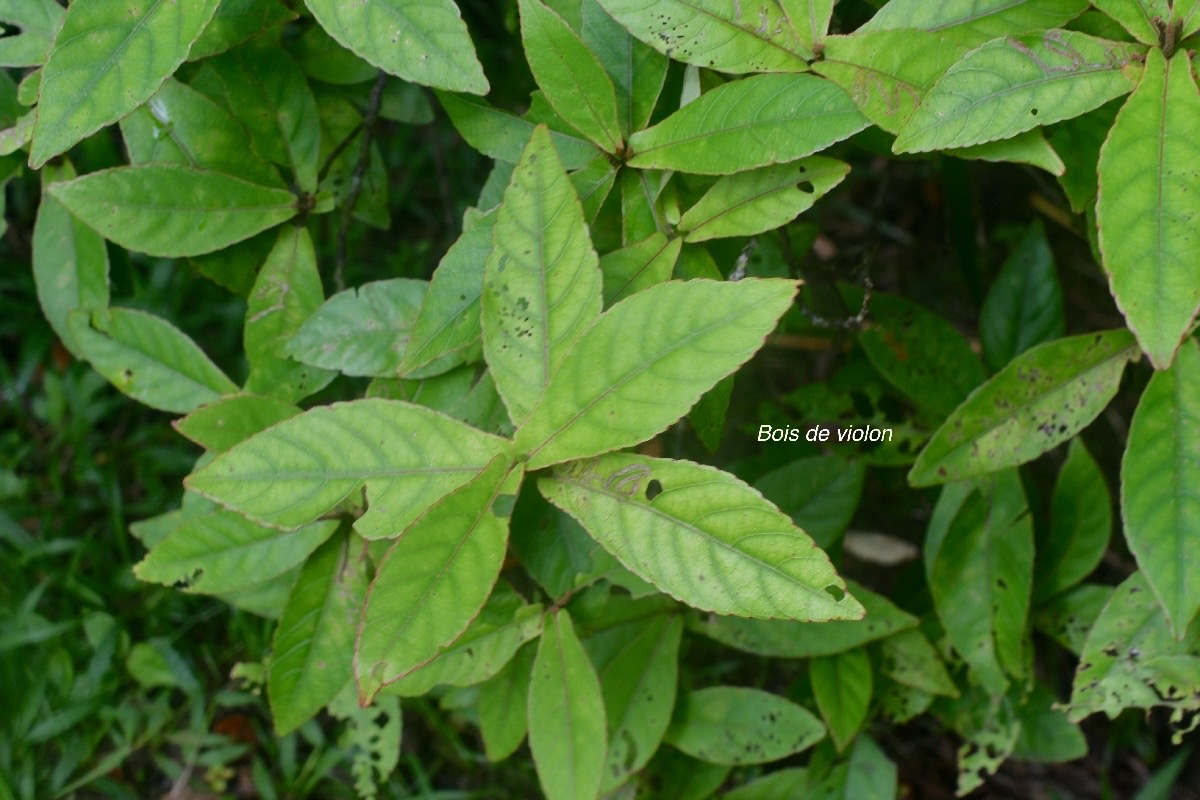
(357, 178)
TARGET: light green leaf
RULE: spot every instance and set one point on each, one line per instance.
(1138, 16)
(1024, 307)
(171, 211)
(744, 124)
(503, 703)
(286, 293)
(910, 660)
(502, 136)
(313, 648)
(819, 493)
(220, 551)
(979, 19)
(1030, 147)
(37, 21)
(620, 385)
(1042, 398)
(1080, 524)
(791, 782)
(1132, 660)
(406, 456)
(421, 41)
(637, 71)
(484, 648)
(1160, 507)
(148, 358)
(778, 638)
(179, 125)
(761, 200)
(566, 715)
(1012, 85)
(70, 261)
(631, 269)
(811, 18)
(436, 578)
(461, 393)
(370, 740)
(1148, 204)
(220, 425)
(1187, 12)
(989, 728)
(733, 725)
(749, 36)
(447, 328)
(702, 536)
(108, 58)
(361, 331)
(541, 283)
(842, 686)
(235, 22)
(574, 80)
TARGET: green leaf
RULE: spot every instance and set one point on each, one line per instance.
(866, 775)
(789, 639)
(1030, 147)
(286, 293)
(910, 660)
(1069, 616)
(361, 331)
(980, 20)
(638, 667)
(503, 703)
(169, 210)
(1042, 398)
(842, 686)
(566, 715)
(220, 551)
(685, 778)
(744, 124)
(762, 200)
(448, 325)
(436, 578)
(493, 638)
(1079, 141)
(819, 493)
(1147, 204)
(979, 556)
(792, 782)
(637, 71)
(1012, 85)
(702, 536)
(70, 261)
(313, 648)
(108, 58)
(406, 456)
(462, 393)
(1159, 504)
(1187, 12)
(220, 425)
(1080, 525)
(323, 59)
(422, 42)
(709, 414)
(236, 267)
(733, 725)
(235, 22)
(541, 283)
(574, 80)
(148, 359)
(620, 385)
(37, 21)
(811, 18)
(1138, 16)
(750, 36)
(1047, 736)
(179, 125)
(502, 136)
(371, 739)
(1132, 660)
(1024, 307)
(631, 269)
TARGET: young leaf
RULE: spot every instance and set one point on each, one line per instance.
(1012, 85)
(749, 36)
(610, 392)
(503, 706)
(70, 261)
(575, 83)
(148, 358)
(502, 136)
(108, 58)
(637, 71)
(1024, 307)
(732, 725)
(361, 331)
(1147, 205)
(981, 20)
(749, 123)
(702, 536)
(436, 578)
(220, 425)
(312, 651)
(220, 551)
(286, 293)
(235, 22)
(1159, 504)
(425, 43)
(842, 686)
(37, 21)
(541, 283)
(1042, 398)
(819, 493)
(408, 457)
(762, 200)
(1138, 16)
(1080, 525)
(566, 715)
(170, 211)
(631, 269)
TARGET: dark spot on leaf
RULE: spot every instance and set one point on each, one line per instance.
(653, 489)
